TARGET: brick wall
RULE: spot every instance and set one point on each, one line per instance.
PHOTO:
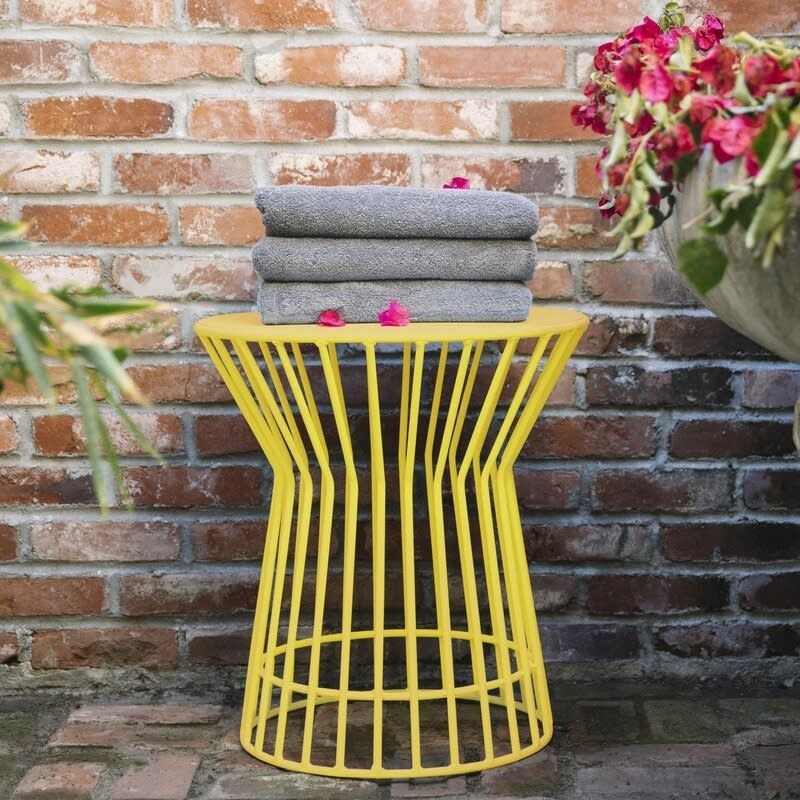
(661, 500)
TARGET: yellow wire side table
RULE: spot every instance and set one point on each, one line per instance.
(394, 634)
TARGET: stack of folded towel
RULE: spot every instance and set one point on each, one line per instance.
(447, 255)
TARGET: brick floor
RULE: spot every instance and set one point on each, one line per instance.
(648, 743)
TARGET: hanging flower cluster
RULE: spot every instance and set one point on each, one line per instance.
(664, 92)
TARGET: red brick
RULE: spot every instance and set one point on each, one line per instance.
(129, 737)
(9, 439)
(527, 175)
(126, 13)
(700, 337)
(721, 542)
(613, 336)
(233, 225)
(180, 383)
(592, 437)
(492, 67)
(632, 385)
(389, 169)
(728, 640)
(772, 489)
(9, 648)
(165, 777)
(30, 597)
(62, 434)
(176, 173)
(27, 394)
(188, 593)
(105, 541)
(218, 435)
(757, 19)
(111, 224)
(219, 648)
(771, 389)
(547, 490)
(586, 642)
(8, 542)
(614, 542)
(46, 486)
(434, 16)
(546, 121)
(552, 280)
(228, 540)
(54, 272)
(150, 331)
(587, 183)
(553, 592)
(655, 594)
(720, 439)
(573, 16)
(677, 490)
(97, 118)
(333, 65)
(62, 780)
(163, 62)
(48, 172)
(104, 647)
(39, 61)
(262, 120)
(276, 15)
(640, 282)
(187, 487)
(427, 120)
(771, 592)
(185, 277)
(169, 715)
(572, 228)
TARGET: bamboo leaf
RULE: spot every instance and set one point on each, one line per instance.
(93, 431)
(27, 351)
(134, 429)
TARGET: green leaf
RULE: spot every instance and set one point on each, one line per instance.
(762, 144)
(27, 351)
(703, 262)
(92, 430)
(11, 230)
(134, 429)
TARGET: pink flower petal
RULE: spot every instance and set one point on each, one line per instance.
(457, 183)
(331, 319)
(656, 84)
(394, 315)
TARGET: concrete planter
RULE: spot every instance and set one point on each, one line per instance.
(763, 304)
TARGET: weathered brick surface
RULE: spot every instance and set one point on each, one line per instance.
(97, 117)
(106, 647)
(75, 781)
(136, 133)
(105, 541)
(166, 777)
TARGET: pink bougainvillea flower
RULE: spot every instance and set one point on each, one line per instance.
(703, 107)
(457, 183)
(762, 73)
(331, 319)
(628, 71)
(717, 68)
(645, 31)
(394, 315)
(669, 146)
(710, 32)
(732, 137)
(655, 84)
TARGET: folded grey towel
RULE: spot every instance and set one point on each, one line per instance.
(428, 301)
(279, 259)
(388, 212)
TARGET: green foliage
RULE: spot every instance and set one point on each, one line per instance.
(60, 326)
